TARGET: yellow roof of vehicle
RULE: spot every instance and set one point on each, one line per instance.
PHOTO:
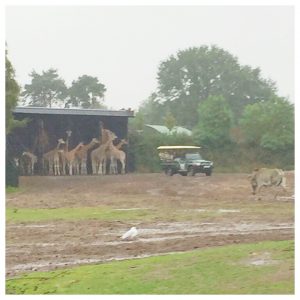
(177, 147)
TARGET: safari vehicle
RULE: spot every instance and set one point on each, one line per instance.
(184, 160)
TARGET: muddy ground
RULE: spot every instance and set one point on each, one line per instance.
(185, 213)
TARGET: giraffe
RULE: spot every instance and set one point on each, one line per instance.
(65, 149)
(98, 155)
(40, 144)
(70, 157)
(81, 156)
(53, 158)
(31, 160)
(104, 133)
(116, 155)
(113, 168)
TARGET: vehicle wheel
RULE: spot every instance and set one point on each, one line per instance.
(208, 173)
(191, 171)
(169, 172)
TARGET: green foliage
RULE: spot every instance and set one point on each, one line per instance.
(87, 92)
(138, 122)
(152, 111)
(269, 124)
(188, 78)
(234, 113)
(12, 91)
(11, 189)
(218, 270)
(45, 89)
(169, 120)
(215, 122)
(48, 88)
(143, 148)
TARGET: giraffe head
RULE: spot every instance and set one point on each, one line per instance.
(111, 136)
(124, 142)
(95, 141)
(61, 142)
(69, 132)
(16, 161)
(80, 145)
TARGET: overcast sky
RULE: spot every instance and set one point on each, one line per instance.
(123, 45)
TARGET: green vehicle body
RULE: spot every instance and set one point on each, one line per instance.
(185, 160)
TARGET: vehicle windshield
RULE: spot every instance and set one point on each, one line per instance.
(193, 156)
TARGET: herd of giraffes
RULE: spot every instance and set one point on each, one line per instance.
(62, 161)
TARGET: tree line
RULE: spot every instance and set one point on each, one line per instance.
(234, 113)
(48, 89)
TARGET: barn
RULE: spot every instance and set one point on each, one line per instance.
(46, 125)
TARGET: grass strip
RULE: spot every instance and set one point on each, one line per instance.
(219, 270)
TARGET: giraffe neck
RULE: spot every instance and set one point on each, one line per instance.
(29, 154)
(77, 147)
(119, 146)
(67, 144)
(89, 146)
(58, 145)
(104, 136)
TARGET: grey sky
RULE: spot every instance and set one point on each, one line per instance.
(124, 45)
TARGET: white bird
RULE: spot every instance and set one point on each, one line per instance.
(131, 233)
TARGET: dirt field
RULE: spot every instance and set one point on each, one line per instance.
(184, 213)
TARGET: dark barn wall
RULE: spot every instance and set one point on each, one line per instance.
(83, 127)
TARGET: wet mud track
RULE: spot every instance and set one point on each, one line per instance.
(189, 213)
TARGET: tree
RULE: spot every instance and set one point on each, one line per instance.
(269, 124)
(169, 121)
(45, 89)
(87, 92)
(215, 122)
(12, 91)
(192, 75)
(152, 110)
(136, 123)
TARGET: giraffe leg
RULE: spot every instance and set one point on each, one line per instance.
(100, 169)
(94, 166)
(83, 167)
(123, 166)
(78, 168)
(115, 166)
(64, 166)
(57, 167)
(54, 167)
(111, 166)
(104, 167)
(50, 168)
(70, 168)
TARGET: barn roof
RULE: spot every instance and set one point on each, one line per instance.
(74, 111)
(165, 130)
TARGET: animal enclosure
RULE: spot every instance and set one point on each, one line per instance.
(45, 126)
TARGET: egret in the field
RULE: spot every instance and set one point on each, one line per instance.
(131, 233)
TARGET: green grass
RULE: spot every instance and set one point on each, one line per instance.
(12, 189)
(76, 213)
(106, 213)
(219, 270)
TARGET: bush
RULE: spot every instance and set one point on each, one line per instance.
(231, 157)
(143, 155)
